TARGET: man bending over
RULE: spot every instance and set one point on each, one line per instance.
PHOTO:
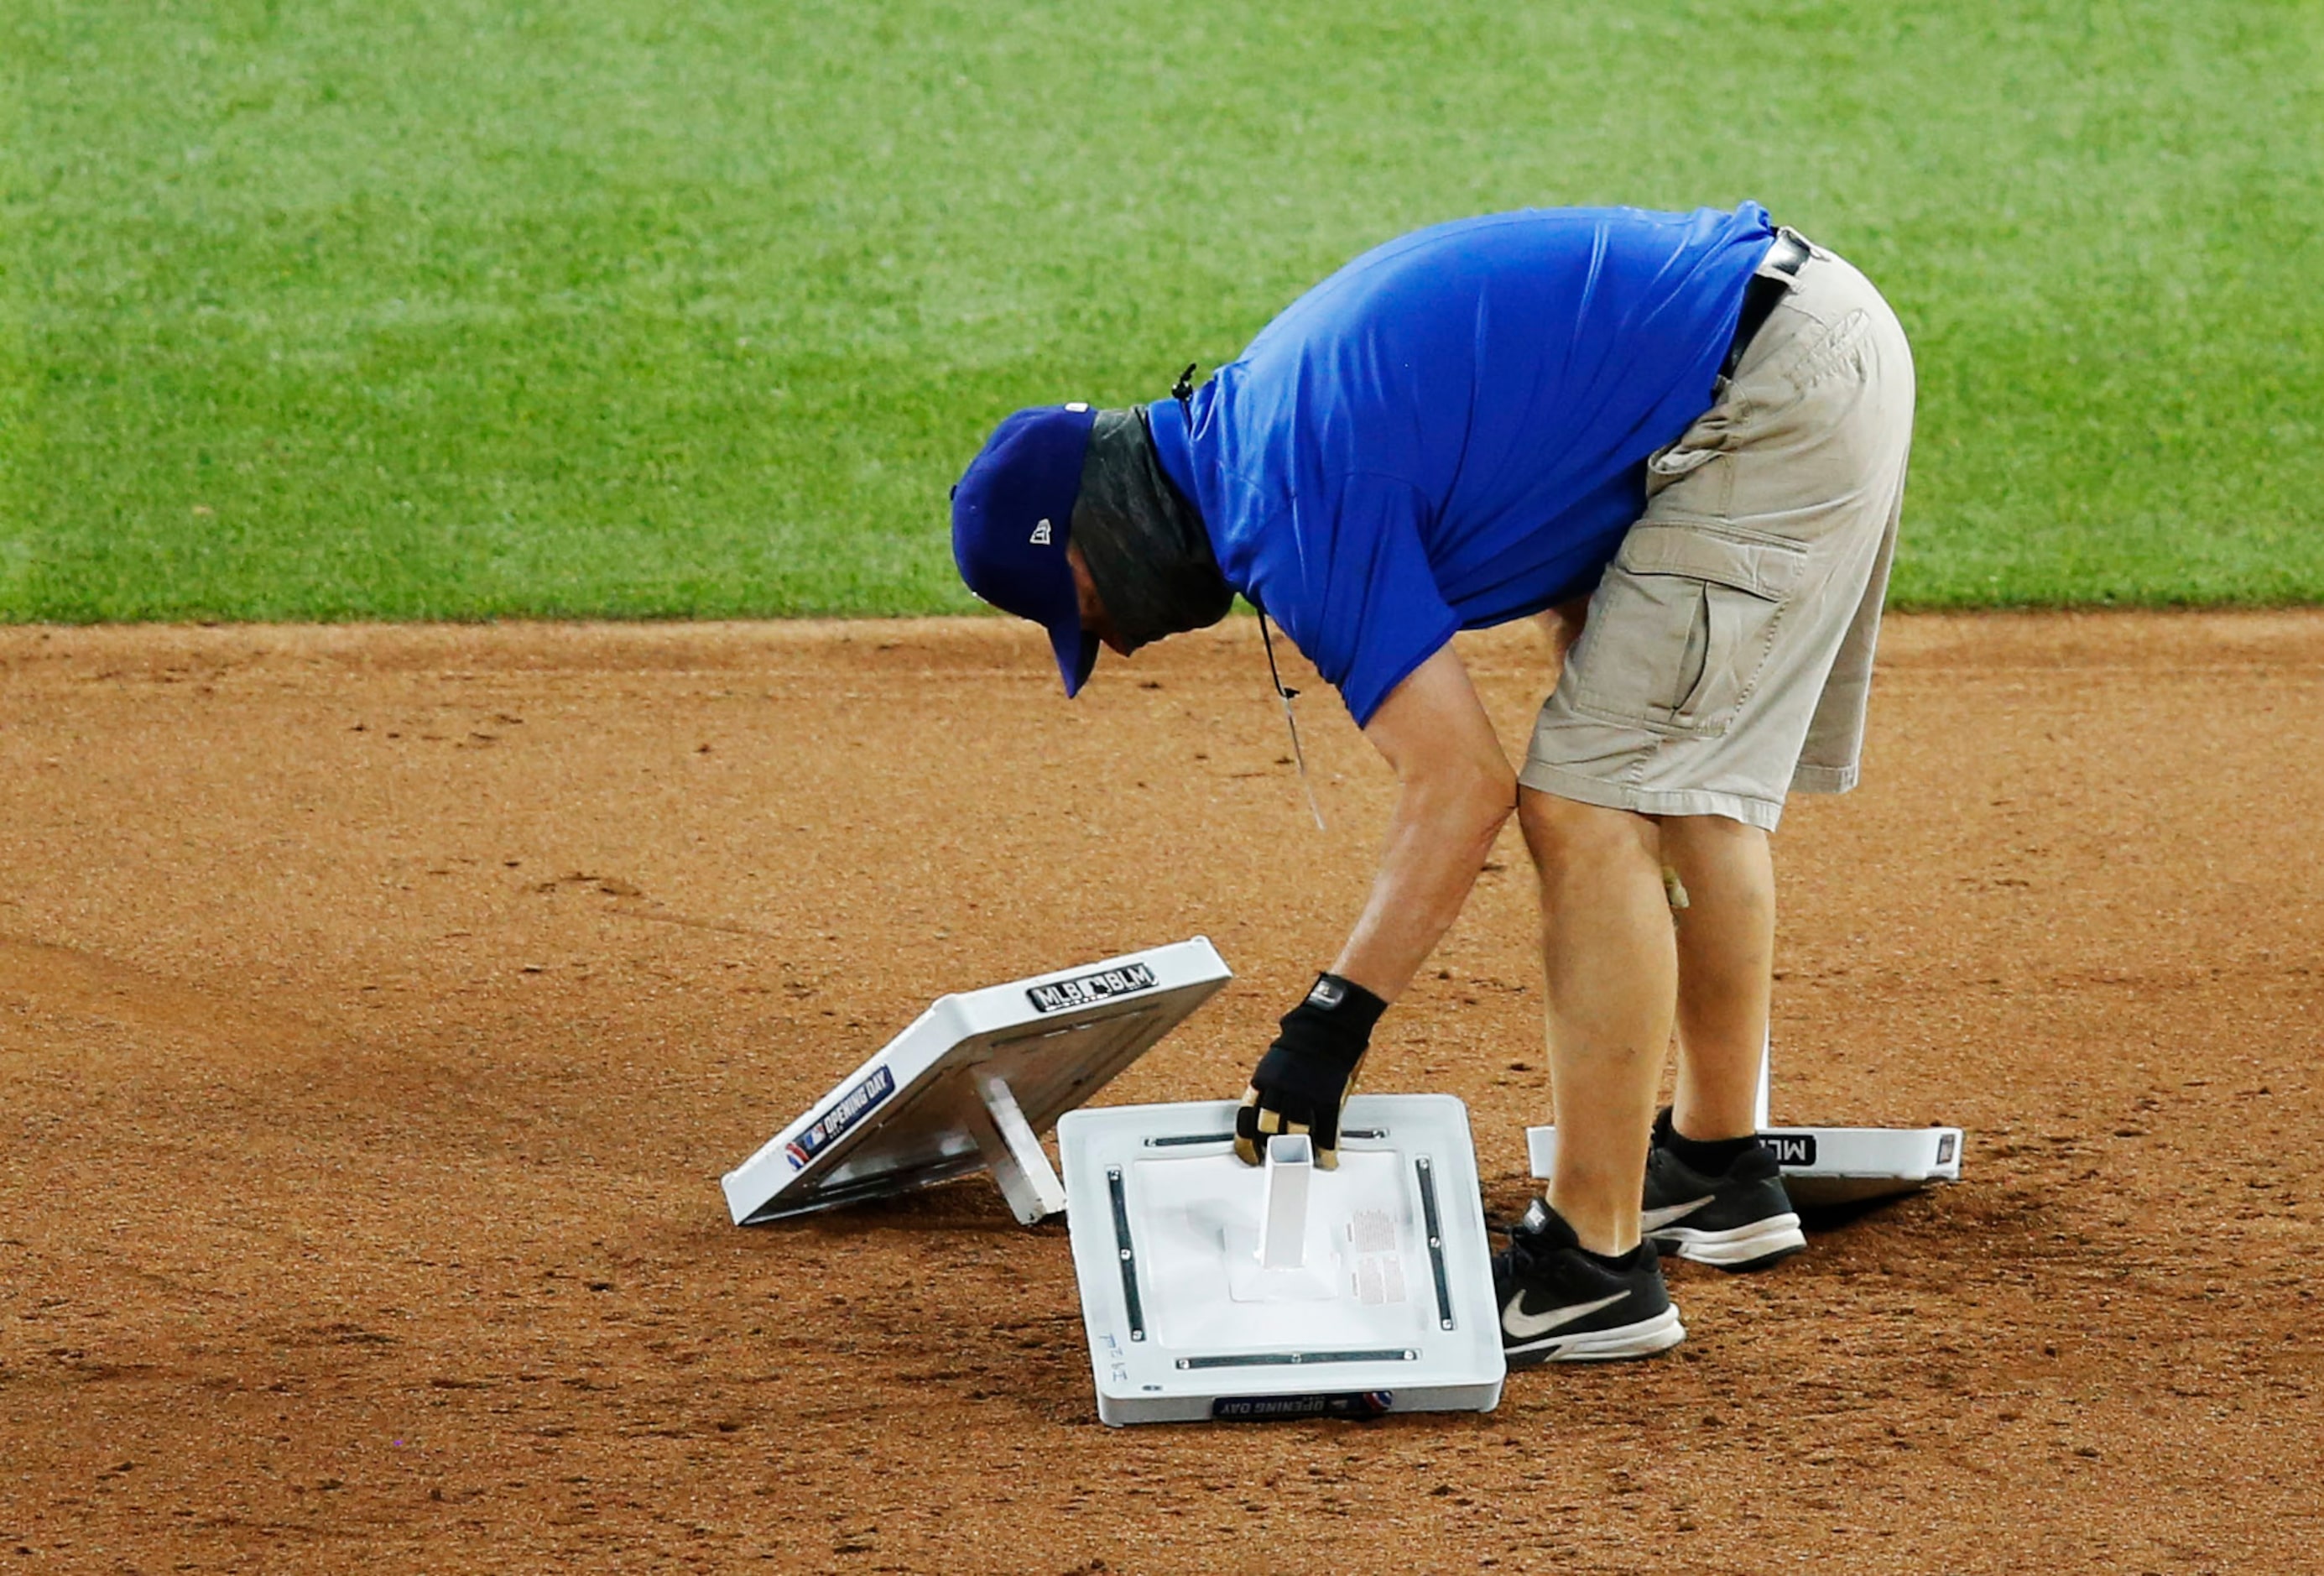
(1678, 438)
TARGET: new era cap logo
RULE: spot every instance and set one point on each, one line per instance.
(1041, 534)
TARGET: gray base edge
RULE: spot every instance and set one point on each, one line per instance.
(1123, 1411)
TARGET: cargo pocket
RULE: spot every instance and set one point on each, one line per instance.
(1682, 626)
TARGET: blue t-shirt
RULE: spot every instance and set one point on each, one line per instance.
(1451, 430)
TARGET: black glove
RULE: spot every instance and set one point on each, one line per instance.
(1302, 1083)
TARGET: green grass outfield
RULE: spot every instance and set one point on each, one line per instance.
(465, 308)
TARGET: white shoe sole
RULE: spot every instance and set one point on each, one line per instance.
(1643, 1339)
(1741, 1248)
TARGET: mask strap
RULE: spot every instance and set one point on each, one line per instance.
(1286, 696)
(1183, 391)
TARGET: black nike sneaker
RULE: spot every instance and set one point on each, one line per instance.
(1740, 1219)
(1560, 1304)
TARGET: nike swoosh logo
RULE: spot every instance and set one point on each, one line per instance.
(1526, 1326)
(1652, 1219)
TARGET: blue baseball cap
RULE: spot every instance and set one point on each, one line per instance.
(1010, 512)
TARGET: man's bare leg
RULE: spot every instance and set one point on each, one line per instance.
(1726, 958)
(1611, 963)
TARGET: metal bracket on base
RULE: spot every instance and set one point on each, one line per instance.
(1012, 1152)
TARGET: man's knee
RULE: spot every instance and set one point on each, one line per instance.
(1723, 862)
(1712, 841)
(1566, 836)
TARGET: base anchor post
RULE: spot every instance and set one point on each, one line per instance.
(1283, 1228)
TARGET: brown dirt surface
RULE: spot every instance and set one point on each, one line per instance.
(378, 1008)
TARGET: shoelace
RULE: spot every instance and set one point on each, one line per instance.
(1524, 1254)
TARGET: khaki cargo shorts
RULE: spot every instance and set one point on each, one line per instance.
(1728, 653)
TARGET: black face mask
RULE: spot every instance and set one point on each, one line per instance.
(1147, 554)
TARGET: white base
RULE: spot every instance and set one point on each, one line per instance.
(972, 1083)
(1380, 1300)
(1829, 1166)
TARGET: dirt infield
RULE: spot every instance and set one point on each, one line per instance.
(378, 1010)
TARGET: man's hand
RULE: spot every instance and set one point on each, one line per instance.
(1302, 1083)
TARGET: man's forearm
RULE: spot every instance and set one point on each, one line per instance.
(1437, 841)
(1457, 790)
